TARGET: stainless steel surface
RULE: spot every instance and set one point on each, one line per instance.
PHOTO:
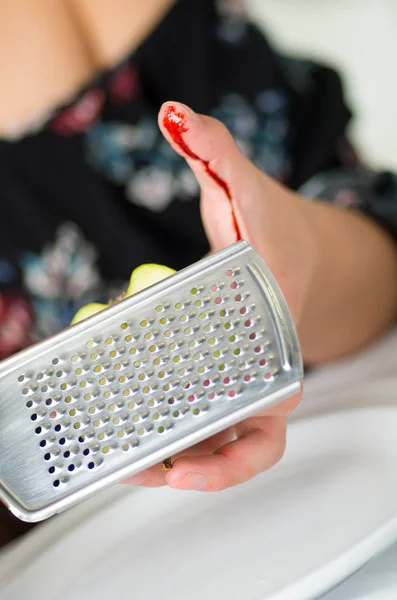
(143, 380)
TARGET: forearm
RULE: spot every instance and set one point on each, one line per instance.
(353, 295)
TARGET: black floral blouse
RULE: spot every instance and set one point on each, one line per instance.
(92, 190)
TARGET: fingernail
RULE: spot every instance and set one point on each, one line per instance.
(191, 481)
(180, 110)
(137, 479)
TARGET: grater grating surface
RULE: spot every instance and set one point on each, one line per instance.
(143, 380)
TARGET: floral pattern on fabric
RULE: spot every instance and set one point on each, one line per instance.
(16, 311)
(123, 84)
(61, 279)
(16, 322)
(81, 115)
(138, 158)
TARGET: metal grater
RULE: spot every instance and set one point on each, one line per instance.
(143, 380)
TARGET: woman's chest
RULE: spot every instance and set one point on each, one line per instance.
(48, 50)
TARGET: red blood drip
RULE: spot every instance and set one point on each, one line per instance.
(175, 123)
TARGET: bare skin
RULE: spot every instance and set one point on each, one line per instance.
(338, 270)
(53, 48)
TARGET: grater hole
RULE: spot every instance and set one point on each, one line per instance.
(159, 308)
(56, 483)
(43, 444)
(229, 273)
(258, 349)
(48, 401)
(231, 394)
(248, 323)
(38, 430)
(51, 470)
(253, 336)
(234, 285)
(238, 298)
(29, 404)
(47, 456)
(21, 378)
(211, 396)
(33, 417)
(55, 361)
(194, 291)
(91, 465)
(124, 326)
(214, 288)
(263, 362)
(243, 310)
(268, 376)
(218, 300)
(247, 378)
(71, 467)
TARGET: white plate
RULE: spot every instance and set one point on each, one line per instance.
(291, 534)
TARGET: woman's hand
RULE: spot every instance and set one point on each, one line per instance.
(337, 270)
(259, 206)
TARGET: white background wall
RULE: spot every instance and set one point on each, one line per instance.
(359, 38)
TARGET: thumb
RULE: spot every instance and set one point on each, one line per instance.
(239, 201)
(218, 165)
